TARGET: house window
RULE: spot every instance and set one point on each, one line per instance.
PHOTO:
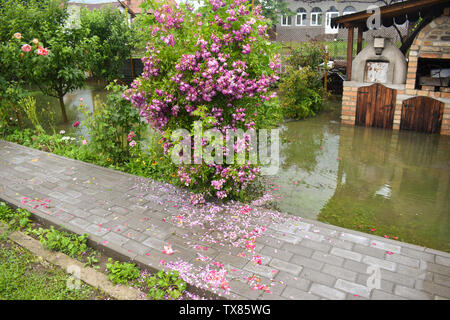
(316, 17)
(348, 10)
(300, 17)
(331, 13)
(286, 21)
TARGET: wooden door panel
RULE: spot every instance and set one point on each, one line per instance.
(375, 106)
(422, 114)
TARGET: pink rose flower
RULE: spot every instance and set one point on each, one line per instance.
(17, 35)
(84, 142)
(42, 51)
(76, 124)
(26, 48)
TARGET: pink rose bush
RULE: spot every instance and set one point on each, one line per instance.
(216, 66)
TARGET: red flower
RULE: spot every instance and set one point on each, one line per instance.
(42, 51)
(76, 124)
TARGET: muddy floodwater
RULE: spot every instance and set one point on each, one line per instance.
(390, 183)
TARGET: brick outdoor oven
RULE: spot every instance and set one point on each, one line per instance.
(383, 89)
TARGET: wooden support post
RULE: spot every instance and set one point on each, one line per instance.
(350, 52)
(359, 40)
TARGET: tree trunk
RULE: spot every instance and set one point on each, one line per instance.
(63, 109)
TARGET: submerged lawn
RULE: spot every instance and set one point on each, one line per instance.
(24, 277)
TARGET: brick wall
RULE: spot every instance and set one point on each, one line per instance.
(432, 42)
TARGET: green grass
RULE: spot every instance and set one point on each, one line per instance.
(24, 277)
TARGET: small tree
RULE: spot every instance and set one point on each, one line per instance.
(66, 65)
(109, 27)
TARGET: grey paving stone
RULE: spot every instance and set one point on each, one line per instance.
(120, 210)
(352, 287)
(115, 238)
(382, 295)
(286, 237)
(433, 288)
(95, 230)
(358, 267)
(415, 273)
(411, 293)
(298, 249)
(285, 266)
(80, 223)
(306, 262)
(283, 228)
(442, 280)
(315, 245)
(339, 272)
(317, 276)
(327, 292)
(443, 260)
(385, 246)
(136, 247)
(401, 259)
(347, 254)
(293, 293)
(281, 254)
(354, 238)
(436, 252)
(155, 243)
(100, 212)
(310, 235)
(96, 219)
(261, 270)
(294, 281)
(388, 265)
(384, 284)
(243, 289)
(438, 268)
(421, 255)
(270, 241)
(328, 258)
(398, 278)
(337, 243)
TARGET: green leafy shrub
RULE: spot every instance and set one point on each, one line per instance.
(71, 244)
(301, 93)
(308, 53)
(114, 38)
(165, 283)
(110, 125)
(122, 272)
(16, 219)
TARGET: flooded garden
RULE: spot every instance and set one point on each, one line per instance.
(390, 183)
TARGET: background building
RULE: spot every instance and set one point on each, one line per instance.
(311, 20)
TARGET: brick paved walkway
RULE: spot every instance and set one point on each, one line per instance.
(236, 251)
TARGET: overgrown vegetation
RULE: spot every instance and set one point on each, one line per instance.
(165, 283)
(122, 272)
(24, 276)
(301, 87)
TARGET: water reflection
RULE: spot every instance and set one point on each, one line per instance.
(352, 176)
(92, 95)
